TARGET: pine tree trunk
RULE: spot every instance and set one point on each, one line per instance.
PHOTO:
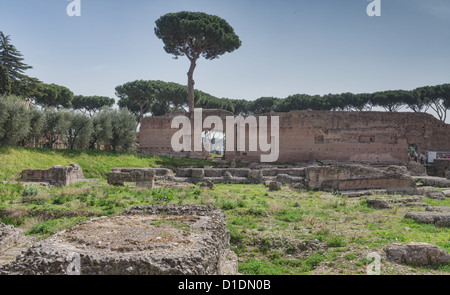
(191, 84)
(141, 112)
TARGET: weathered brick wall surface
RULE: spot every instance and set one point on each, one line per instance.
(374, 137)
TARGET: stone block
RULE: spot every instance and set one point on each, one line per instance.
(440, 219)
(417, 254)
(358, 177)
(416, 169)
(436, 195)
(57, 175)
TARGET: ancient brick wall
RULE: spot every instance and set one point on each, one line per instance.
(373, 137)
(155, 134)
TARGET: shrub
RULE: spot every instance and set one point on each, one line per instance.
(228, 205)
(162, 196)
(30, 191)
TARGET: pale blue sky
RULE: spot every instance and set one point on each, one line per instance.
(288, 47)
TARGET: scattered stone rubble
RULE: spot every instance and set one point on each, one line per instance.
(417, 254)
(10, 237)
(389, 202)
(149, 240)
(394, 179)
(57, 176)
(240, 175)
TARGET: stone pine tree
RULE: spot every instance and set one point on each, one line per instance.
(136, 96)
(91, 105)
(195, 34)
(54, 95)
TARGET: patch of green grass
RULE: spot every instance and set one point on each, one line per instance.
(335, 242)
(12, 221)
(290, 215)
(280, 266)
(95, 164)
(256, 212)
(261, 267)
(387, 236)
(228, 205)
(445, 268)
(336, 202)
(53, 226)
(162, 195)
(173, 223)
(236, 235)
(262, 224)
(350, 257)
(437, 203)
(245, 222)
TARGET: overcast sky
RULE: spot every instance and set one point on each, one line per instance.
(288, 47)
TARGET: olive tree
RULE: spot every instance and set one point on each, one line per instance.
(102, 130)
(14, 121)
(56, 122)
(78, 131)
(124, 126)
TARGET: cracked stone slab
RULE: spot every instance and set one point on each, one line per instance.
(440, 219)
(418, 254)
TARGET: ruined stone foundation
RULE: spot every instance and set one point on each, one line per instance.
(153, 240)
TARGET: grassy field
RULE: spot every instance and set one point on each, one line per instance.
(95, 164)
(285, 232)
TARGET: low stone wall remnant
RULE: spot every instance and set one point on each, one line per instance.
(358, 177)
(394, 179)
(57, 175)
